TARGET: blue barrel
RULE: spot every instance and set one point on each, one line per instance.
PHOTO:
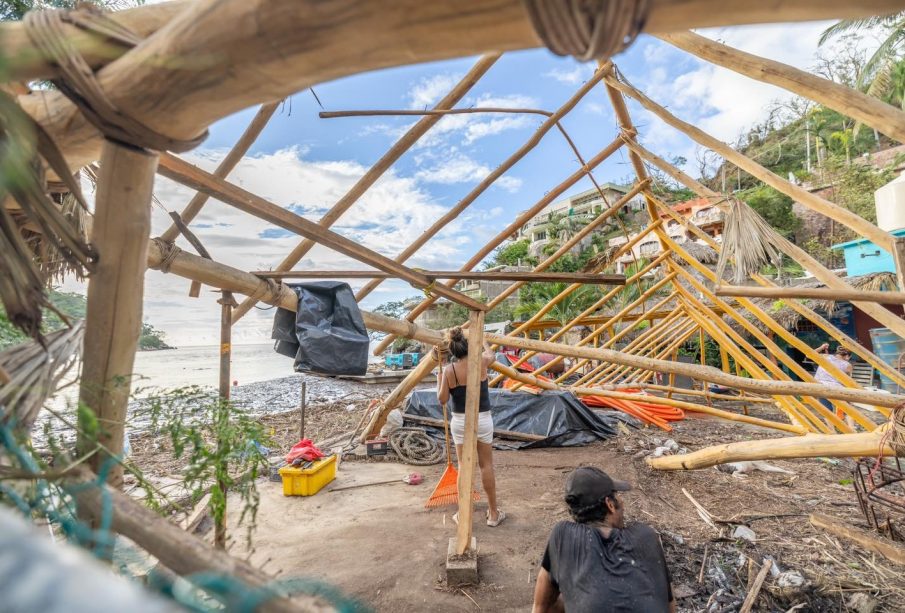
(890, 348)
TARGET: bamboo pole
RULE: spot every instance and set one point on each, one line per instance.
(227, 302)
(810, 264)
(226, 166)
(564, 328)
(178, 550)
(122, 223)
(806, 198)
(380, 167)
(586, 278)
(219, 275)
(734, 344)
(608, 393)
(182, 172)
(469, 459)
(850, 102)
(774, 350)
(487, 181)
(519, 221)
(817, 293)
(289, 45)
(863, 444)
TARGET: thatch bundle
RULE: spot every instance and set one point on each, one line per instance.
(30, 373)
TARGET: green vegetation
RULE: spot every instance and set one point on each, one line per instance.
(72, 306)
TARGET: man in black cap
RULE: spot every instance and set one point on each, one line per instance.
(597, 564)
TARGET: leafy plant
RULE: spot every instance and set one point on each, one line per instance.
(223, 445)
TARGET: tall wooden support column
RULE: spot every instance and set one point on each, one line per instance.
(122, 225)
(469, 458)
(227, 303)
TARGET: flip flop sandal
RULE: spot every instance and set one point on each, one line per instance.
(499, 519)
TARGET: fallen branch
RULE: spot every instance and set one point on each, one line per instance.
(755, 589)
(889, 550)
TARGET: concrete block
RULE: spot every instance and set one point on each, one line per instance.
(462, 569)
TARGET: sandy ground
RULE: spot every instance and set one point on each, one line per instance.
(379, 545)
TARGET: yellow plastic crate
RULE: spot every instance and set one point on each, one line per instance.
(308, 481)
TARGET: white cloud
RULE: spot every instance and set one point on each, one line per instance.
(579, 73)
(390, 216)
(429, 90)
(719, 101)
(463, 169)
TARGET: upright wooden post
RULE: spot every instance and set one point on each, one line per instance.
(898, 254)
(122, 225)
(468, 461)
(227, 303)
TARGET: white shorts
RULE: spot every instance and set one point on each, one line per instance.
(485, 427)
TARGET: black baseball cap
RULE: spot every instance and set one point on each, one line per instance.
(588, 485)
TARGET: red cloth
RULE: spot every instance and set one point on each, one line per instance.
(304, 449)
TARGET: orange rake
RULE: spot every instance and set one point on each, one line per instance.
(447, 491)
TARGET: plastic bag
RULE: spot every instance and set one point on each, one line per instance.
(305, 450)
(327, 334)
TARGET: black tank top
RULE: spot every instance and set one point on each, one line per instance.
(458, 396)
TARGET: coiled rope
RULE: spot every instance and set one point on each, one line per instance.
(415, 447)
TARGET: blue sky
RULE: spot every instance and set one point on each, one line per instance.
(306, 163)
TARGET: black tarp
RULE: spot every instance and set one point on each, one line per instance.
(326, 335)
(559, 416)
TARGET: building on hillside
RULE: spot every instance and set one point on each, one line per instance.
(587, 204)
(699, 211)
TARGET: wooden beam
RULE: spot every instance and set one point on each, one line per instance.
(380, 167)
(525, 276)
(469, 460)
(606, 392)
(509, 230)
(182, 172)
(183, 553)
(814, 293)
(868, 110)
(817, 269)
(122, 224)
(489, 180)
(864, 444)
(806, 198)
(258, 123)
(214, 69)
(890, 550)
(219, 275)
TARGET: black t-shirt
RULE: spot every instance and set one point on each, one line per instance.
(625, 572)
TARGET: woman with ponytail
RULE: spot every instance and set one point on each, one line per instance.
(451, 384)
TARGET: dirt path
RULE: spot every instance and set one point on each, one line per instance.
(381, 546)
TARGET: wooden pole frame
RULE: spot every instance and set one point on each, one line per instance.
(399, 148)
(469, 460)
(122, 225)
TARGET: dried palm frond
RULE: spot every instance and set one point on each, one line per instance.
(749, 242)
(22, 143)
(702, 253)
(30, 373)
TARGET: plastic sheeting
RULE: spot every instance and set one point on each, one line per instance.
(559, 416)
(327, 334)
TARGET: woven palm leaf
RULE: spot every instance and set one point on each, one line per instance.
(749, 242)
(23, 143)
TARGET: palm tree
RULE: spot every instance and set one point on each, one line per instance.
(881, 76)
(567, 309)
